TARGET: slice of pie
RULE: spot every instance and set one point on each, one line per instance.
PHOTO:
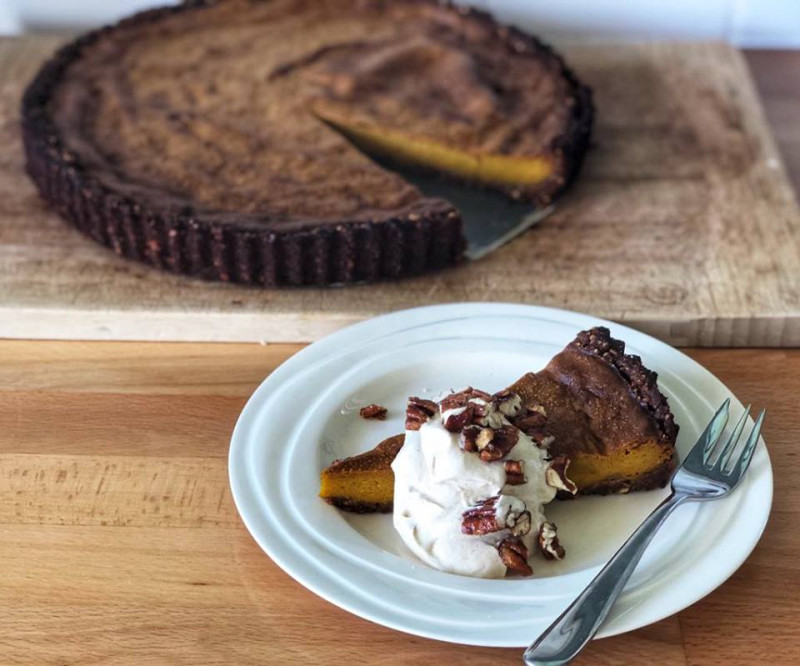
(604, 412)
(363, 483)
(228, 140)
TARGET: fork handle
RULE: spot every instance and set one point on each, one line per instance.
(563, 639)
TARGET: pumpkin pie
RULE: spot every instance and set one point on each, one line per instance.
(363, 483)
(603, 413)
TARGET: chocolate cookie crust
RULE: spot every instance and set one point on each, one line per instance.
(642, 383)
(169, 228)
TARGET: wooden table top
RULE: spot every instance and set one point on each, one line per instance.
(120, 543)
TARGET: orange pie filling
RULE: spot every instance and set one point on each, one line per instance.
(425, 153)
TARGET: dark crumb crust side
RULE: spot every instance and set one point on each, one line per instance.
(230, 250)
(349, 504)
(642, 383)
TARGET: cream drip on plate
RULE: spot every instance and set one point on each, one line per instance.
(437, 482)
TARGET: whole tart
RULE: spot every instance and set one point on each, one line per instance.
(229, 140)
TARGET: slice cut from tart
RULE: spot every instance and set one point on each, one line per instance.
(363, 483)
(604, 412)
(217, 139)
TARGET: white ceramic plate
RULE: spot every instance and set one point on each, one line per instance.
(305, 414)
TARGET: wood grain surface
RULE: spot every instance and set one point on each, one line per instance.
(120, 543)
(777, 78)
(683, 224)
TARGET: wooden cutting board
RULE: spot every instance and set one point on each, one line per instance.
(683, 224)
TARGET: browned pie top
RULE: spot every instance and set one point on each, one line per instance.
(598, 398)
(210, 109)
(377, 459)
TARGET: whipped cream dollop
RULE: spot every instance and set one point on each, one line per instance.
(466, 479)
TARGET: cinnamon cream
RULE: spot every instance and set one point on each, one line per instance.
(437, 481)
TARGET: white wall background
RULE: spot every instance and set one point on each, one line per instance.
(747, 23)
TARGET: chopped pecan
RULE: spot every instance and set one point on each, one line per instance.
(529, 419)
(454, 420)
(462, 398)
(485, 437)
(474, 438)
(556, 475)
(428, 406)
(373, 412)
(415, 417)
(494, 514)
(482, 518)
(480, 408)
(515, 472)
(418, 412)
(469, 438)
(491, 417)
(514, 554)
(533, 423)
(507, 403)
(548, 542)
(503, 440)
(522, 524)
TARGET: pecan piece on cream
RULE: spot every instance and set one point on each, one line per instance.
(514, 554)
(487, 414)
(469, 438)
(548, 542)
(529, 419)
(482, 518)
(462, 398)
(373, 411)
(485, 437)
(515, 472)
(503, 440)
(522, 524)
(507, 403)
(418, 412)
(481, 395)
(480, 409)
(533, 422)
(556, 475)
(474, 438)
(496, 513)
(456, 419)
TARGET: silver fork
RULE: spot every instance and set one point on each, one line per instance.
(702, 476)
